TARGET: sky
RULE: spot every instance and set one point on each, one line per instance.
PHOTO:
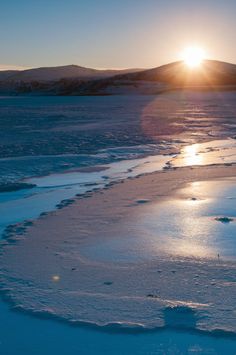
(113, 33)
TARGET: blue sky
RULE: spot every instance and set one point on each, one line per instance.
(113, 33)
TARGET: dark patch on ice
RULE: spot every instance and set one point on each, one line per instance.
(91, 184)
(43, 214)
(13, 230)
(180, 316)
(151, 295)
(224, 220)
(65, 203)
(11, 187)
(142, 201)
(108, 283)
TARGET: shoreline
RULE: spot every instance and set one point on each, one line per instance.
(129, 189)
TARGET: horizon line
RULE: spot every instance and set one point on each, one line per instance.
(5, 67)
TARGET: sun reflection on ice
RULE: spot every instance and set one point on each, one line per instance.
(215, 152)
(191, 155)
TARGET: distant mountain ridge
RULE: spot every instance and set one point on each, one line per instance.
(178, 72)
(75, 80)
(211, 74)
(60, 72)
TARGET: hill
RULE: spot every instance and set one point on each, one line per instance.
(75, 80)
(6, 74)
(57, 73)
(210, 75)
(209, 72)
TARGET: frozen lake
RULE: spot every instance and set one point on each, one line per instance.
(24, 122)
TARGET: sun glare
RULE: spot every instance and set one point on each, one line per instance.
(193, 56)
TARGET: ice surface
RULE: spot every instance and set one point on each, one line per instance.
(214, 119)
(184, 225)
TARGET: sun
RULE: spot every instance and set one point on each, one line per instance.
(193, 56)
